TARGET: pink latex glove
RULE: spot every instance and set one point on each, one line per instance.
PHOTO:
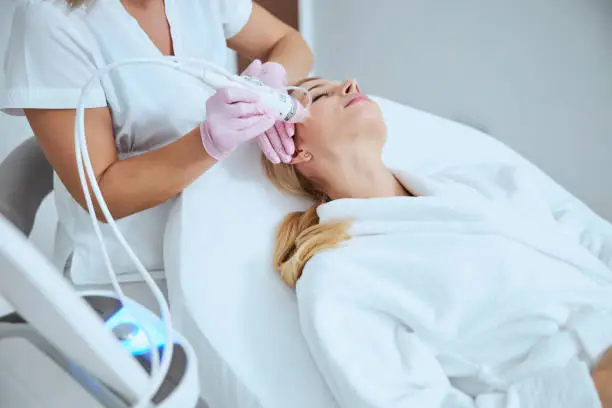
(277, 142)
(233, 116)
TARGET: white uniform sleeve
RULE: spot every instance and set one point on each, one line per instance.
(234, 15)
(48, 60)
(370, 360)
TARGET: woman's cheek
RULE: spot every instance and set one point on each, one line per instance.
(317, 121)
(310, 130)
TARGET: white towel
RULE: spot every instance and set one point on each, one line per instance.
(474, 294)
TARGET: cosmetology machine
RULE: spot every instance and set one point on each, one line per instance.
(90, 336)
(119, 351)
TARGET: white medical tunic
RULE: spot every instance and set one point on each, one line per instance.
(53, 51)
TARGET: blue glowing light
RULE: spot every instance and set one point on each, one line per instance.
(137, 342)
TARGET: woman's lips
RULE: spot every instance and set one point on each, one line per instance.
(356, 99)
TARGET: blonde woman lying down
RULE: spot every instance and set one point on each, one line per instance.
(449, 290)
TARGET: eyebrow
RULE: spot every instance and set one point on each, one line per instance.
(304, 80)
(310, 79)
(320, 84)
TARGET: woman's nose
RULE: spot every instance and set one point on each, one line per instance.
(351, 86)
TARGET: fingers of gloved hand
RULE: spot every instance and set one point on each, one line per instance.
(273, 74)
(254, 69)
(287, 138)
(253, 125)
(245, 109)
(235, 95)
(275, 136)
(289, 129)
(267, 149)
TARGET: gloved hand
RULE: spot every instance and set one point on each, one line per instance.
(233, 116)
(277, 142)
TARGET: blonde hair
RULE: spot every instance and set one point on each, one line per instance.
(77, 3)
(300, 236)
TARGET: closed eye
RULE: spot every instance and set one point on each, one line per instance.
(319, 96)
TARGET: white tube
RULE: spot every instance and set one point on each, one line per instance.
(212, 76)
(158, 371)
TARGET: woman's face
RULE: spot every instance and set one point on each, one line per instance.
(340, 118)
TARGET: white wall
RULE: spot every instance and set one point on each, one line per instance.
(536, 74)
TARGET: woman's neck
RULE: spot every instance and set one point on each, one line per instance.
(360, 179)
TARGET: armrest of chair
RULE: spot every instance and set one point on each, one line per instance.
(26, 178)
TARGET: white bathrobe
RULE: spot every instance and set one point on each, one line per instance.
(475, 294)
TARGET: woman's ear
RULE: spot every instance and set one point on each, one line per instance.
(301, 156)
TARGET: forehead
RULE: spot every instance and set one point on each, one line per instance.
(313, 83)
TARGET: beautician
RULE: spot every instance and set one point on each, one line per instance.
(145, 124)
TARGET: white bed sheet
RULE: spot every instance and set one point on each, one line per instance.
(238, 315)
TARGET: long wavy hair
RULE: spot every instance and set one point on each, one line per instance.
(300, 235)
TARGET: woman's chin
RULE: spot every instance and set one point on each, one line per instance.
(366, 115)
